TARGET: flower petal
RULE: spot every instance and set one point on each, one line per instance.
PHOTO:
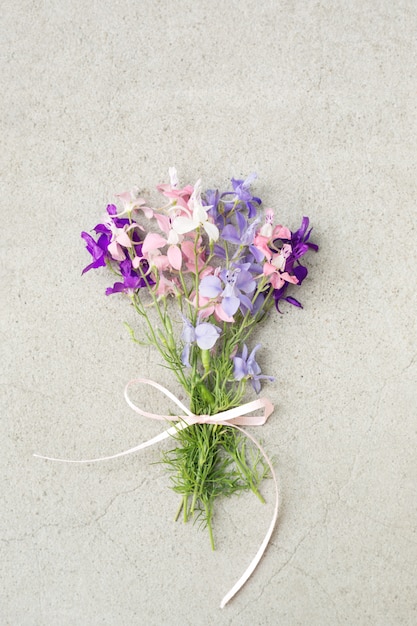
(210, 287)
(174, 257)
(185, 355)
(206, 335)
(230, 305)
(163, 222)
(281, 232)
(123, 239)
(239, 368)
(229, 233)
(221, 315)
(211, 230)
(116, 251)
(184, 225)
(152, 242)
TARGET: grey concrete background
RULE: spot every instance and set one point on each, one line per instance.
(319, 98)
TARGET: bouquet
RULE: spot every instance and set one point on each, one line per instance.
(210, 268)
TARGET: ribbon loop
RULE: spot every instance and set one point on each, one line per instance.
(236, 417)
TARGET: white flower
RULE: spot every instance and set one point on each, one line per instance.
(199, 217)
(173, 176)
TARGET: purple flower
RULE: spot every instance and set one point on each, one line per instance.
(203, 334)
(211, 198)
(132, 280)
(97, 249)
(243, 235)
(241, 192)
(118, 221)
(300, 239)
(300, 245)
(235, 281)
(246, 367)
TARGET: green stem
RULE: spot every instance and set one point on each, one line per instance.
(185, 505)
(197, 274)
(179, 510)
(195, 496)
(258, 494)
(209, 526)
(137, 303)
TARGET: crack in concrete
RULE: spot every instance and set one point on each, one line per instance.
(326, 593)
(119, 546)
(113, 500)
(31, 535)
(363, 442)
(413, 360)
(277, 573)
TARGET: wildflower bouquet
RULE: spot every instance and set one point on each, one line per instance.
(210, 269)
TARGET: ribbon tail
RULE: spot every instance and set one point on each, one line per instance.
(227, 418)
(253, 564)
(164, 435)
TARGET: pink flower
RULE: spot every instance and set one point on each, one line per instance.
(173, 239)
(208, 306)
(166, 286)
(151, 246)
(151, 252)
(267, 234)
(275, 268)
(132, 201)
(187, 249)
(119, 238)
(172, 190)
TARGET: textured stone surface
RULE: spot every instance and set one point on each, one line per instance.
(319, 99)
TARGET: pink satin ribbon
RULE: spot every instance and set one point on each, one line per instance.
(233, 417)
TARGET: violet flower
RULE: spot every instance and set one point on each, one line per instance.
(131, 279)
(119, 222)
(300, 245)
(203, 334)
(246, 367)
(97, 249)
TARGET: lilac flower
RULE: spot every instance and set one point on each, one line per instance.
(243, 235)
(211, 199)
(204, 334)
(241, 192)
(235, 281)
(246, 367)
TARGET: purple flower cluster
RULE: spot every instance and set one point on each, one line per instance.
(116, 246)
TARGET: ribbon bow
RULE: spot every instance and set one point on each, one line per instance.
(235, 417)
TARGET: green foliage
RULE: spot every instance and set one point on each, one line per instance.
(211, 461)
